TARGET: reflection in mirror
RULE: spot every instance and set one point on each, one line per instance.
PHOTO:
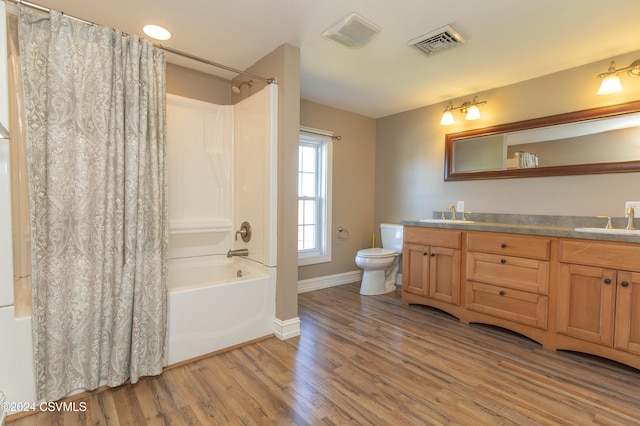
(602, 140)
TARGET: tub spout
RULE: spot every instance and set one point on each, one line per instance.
(239, 252)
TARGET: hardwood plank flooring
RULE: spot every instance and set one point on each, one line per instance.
(369, 360)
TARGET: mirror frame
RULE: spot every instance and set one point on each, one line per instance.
(575, 169)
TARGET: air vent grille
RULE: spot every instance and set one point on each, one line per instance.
(436, 41)
(353, 31)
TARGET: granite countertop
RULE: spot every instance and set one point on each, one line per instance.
(551, 226)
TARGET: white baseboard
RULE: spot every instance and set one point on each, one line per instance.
(286, 329)
(318, 283)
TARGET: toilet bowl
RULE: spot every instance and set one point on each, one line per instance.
(381, 265)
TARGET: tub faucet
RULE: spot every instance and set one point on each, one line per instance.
(239, 252)
(630, 213)
(453, 212)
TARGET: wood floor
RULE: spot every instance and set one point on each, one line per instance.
(369, 360)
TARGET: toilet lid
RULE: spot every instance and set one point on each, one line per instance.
(376, 252)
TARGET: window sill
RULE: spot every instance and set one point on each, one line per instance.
(313, 259)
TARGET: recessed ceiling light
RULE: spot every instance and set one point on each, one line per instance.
(157, 32)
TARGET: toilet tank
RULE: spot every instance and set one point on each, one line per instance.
(391, 236)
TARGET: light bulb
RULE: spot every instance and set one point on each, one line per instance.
(473, 113)
(447, 118)
(610, 84)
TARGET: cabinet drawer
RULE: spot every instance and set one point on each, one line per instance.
(513, 272)
(450, 238)
(513, 305)
(613, 255)
(509, 244)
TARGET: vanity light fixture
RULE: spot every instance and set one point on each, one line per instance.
(469, 108)
(610, 80)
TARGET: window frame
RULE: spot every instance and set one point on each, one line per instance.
(322, 141)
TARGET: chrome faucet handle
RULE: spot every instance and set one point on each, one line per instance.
(609, 224)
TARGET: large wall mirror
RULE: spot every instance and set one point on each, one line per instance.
(599, 140)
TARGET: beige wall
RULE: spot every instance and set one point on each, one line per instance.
(194, 84)
(284, 63)
(353, 184)
(410, 154)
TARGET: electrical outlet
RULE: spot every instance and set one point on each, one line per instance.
(460, 206)
(636, 208)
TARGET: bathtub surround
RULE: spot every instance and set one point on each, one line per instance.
(96, 142)
(222, 174)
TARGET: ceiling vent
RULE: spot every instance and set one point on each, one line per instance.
(438, 40)
(353, 31)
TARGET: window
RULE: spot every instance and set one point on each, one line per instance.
(314, 197)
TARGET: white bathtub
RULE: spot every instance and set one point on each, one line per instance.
(213, 306)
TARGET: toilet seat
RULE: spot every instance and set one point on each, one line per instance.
(373, 253)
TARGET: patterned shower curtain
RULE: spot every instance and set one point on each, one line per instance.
(96, 152)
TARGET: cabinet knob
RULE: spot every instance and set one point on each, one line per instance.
(501, 292)
(433, 255)
(503, 261)
(503, 245)
(607, 281)
(624, 284)
(424, 253)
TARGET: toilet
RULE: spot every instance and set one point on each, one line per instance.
(381, 265)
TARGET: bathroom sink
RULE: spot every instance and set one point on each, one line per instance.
(461, 222)
(610, 231)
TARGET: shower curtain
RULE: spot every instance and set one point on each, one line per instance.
(96, 151)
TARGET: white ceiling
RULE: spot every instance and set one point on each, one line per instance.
(507, 41)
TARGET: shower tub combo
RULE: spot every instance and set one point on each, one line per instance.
(222, 177)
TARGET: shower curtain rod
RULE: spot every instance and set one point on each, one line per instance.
(215, 64)
(160, 46)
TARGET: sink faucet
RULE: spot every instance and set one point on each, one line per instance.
(239, 252)
(630, 213)
(453, 212)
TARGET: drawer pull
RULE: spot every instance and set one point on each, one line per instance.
(624, 284)
(501, 292)
(607, 281)
(503, 245)
(503, 261)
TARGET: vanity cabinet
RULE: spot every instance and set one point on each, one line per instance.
(431, 264)
(599, 293)
(565, 293)
(508, 277)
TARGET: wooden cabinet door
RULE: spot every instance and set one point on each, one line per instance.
(628, 312)
(415, 269)
(586, 303)
(444, 275)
